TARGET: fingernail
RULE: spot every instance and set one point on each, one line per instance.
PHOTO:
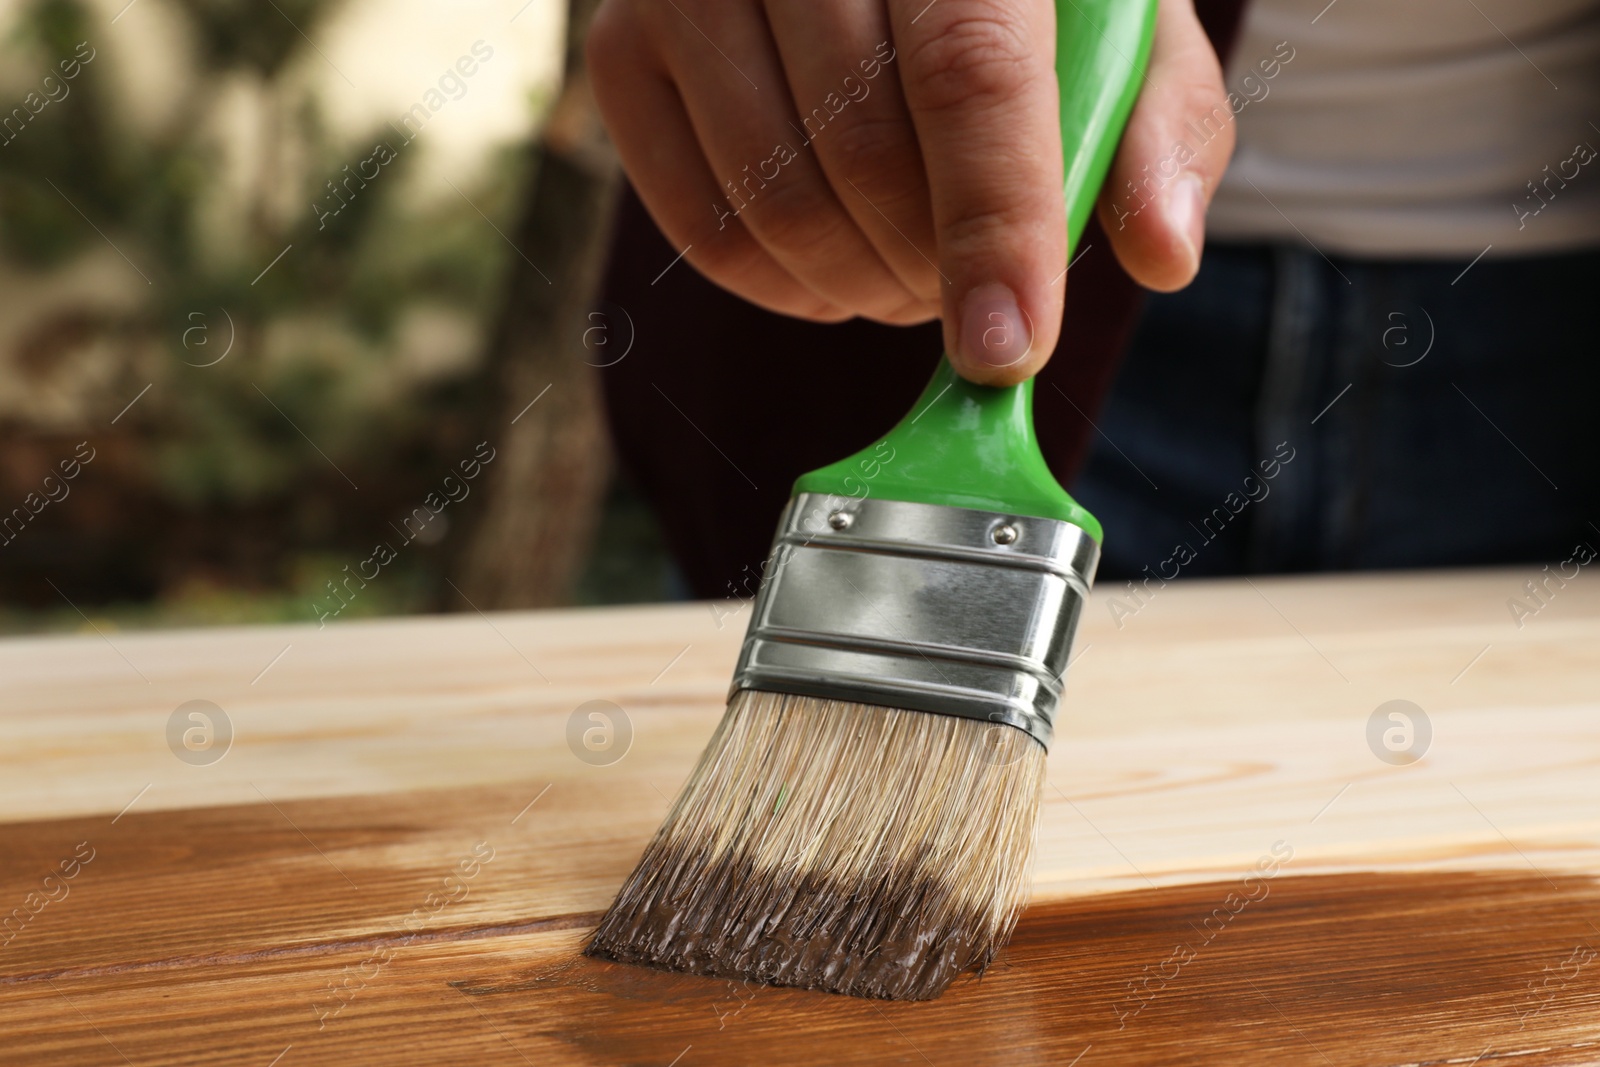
(994, 332)
(1185, 211)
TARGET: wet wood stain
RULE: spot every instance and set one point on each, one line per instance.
(1343, 969)
(217, 936)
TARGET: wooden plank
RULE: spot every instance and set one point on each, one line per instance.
(374, 764)
(1342, 969)
(421, 703)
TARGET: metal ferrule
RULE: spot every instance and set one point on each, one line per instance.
(940, 609)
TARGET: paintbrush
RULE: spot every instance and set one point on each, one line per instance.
(863, 820)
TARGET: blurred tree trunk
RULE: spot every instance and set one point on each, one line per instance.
(549, 479)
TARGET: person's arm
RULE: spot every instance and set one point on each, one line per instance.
(896, 159)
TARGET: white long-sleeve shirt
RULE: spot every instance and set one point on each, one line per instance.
(1416, 128)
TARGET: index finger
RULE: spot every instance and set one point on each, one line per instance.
(979, 80)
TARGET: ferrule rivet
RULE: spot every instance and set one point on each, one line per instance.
(840, 520)
(1004, 534)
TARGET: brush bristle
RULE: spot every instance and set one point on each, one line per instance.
(846, 847)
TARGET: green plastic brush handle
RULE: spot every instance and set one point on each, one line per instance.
(971, 446)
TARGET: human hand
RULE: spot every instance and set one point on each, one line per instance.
(899, 159)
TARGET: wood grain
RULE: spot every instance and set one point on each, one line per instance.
(1427, 913)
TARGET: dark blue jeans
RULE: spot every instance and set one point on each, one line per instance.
(1291, 413)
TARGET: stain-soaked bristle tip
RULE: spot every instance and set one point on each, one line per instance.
(850, 848)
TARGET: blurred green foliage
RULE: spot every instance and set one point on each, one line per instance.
(226, 493)
(224, 454)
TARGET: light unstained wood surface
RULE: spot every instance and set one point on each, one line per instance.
(297, 894)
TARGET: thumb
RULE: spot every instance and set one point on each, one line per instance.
(1178, 142)
(979, 81)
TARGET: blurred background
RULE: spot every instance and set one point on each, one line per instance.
(283, 286)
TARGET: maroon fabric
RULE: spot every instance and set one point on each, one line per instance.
(720, 405)
(1221, 19)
